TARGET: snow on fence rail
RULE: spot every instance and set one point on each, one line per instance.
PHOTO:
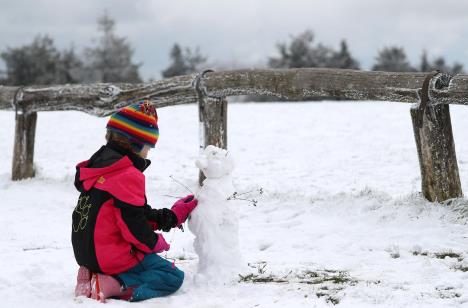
(431, 117)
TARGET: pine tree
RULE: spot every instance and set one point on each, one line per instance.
(301, 52)
(3, 78)
(69, 67)
(39, 63)
(424, 66)
(392, 59)
(178, 66)
(183, 62)
(111, 59)
(194, 59)
(343, 58)
(457, 68)
(439, 64)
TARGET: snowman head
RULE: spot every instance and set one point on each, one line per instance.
(215, 162)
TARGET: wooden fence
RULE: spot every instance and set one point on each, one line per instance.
(431, 115)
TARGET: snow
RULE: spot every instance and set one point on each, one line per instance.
(340, 220)
(215, 220)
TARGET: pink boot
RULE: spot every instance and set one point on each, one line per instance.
(105, 286)
(83, 282)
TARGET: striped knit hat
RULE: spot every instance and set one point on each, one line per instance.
(137, 122)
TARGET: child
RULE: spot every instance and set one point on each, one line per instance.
(113, 226)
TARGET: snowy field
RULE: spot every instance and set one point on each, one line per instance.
(341, 221)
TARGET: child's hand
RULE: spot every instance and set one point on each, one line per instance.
(183, 207)
(161, 244)
(165, 219)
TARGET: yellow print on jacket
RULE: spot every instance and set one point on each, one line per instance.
(82, 208)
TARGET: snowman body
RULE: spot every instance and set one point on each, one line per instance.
(215, 220)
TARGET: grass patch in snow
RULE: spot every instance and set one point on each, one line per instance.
(447, 292)
(459, 206)
(419, 253)
(450, 254)
(439, 255)
(459, 266)
(462, 268)
(326, 283)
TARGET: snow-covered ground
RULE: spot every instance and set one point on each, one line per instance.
(341, 220)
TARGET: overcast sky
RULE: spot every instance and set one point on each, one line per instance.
(244, 32)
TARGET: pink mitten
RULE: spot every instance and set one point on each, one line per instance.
(161, 244)
(183, 207)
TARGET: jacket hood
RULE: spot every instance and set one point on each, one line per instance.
(108, 159)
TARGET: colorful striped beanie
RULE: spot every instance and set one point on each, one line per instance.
(137, 122)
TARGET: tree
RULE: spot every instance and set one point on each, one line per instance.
(195, 60)
(457, 68)
(439, 64)
(183, 62)
(343, 58)
(111, 59)
(301, 52)
(69, 67)
(425, 66)
(3, 78)
(39, 63)
(392, 59)
(178, 66)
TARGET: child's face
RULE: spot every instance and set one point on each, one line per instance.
(144, 152)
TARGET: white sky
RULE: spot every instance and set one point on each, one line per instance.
(244, 32)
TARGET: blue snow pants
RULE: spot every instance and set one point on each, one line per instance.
(152, 277)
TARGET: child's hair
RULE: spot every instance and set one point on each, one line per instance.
(123, 142)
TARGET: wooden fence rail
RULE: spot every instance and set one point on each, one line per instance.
(292, 84)
(210, 89)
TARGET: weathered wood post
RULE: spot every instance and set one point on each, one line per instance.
(212, 112)
(23, 153)
(435, 144)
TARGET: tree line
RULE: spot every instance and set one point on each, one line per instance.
(41, 63)
(110, 59)
(302, 52)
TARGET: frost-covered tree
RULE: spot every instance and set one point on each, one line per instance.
(111, 59)
(69, 66)
(424, 66)
(178, 66)
(195, 60)
(392, 59)
(3, 78)
(301, 52)
(183, 61)
(343, 58)
(457, 68)
(40, 63)
(440, 64)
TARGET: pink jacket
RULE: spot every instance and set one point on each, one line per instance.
(110, 232)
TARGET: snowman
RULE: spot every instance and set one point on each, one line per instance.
(215, 221)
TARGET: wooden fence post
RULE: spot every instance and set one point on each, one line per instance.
(23, 153)
(212, 113)
(435, 144)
